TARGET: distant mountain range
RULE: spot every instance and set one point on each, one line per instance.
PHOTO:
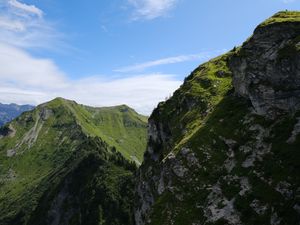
(10, 111)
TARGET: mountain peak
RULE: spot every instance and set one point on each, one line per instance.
(226, 144)
(282, 17)
(58, 101)
(114, 125)
(266, 68)
(61, 142)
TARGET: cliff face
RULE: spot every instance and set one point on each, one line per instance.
(225, 148)
(267, 68)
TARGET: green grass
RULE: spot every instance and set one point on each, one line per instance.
(71, 131)
(199, 116)
(119, 126)
(282, 17)
(189, 106)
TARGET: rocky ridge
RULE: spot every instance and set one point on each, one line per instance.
(224, 149)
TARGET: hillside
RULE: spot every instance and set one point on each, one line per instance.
(64, 162)
(10, 111)
(224, 149)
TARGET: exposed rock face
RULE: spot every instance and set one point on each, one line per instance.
(267, 69)
(223, 154)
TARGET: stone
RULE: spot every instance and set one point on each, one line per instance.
(258, 207)
(295, 132)
(265, 75)
(11, 152)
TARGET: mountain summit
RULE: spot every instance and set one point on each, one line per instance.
(224, 149)
(64, 162)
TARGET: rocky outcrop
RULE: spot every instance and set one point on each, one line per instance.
(223, 149)
(266, 69)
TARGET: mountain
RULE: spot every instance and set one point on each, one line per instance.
(10, 111)
(225, 148)
(65, 163)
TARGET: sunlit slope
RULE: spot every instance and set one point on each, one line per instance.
(39, 149)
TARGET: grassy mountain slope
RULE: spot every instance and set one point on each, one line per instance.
(211, 159)
(42, 149)
(119, 126)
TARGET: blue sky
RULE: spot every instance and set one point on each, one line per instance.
(111, 52)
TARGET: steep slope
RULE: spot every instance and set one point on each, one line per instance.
(10, 111)
(119, 126)
(224, 149)
(57, 168)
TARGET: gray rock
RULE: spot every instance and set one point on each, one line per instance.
(275, 220)
(295, 132)
(213, 212)
(284, 188)
(258, 207)
(11, 152)
(180, 170)
(264, 73)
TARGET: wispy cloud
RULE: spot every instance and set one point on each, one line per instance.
(36, 80)
(24, 26)
(28, 79)
(288, 1)
(24, 8)
(168, 60)
(151, 9)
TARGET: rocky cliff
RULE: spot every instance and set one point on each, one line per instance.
(224, 149)
(267, 67)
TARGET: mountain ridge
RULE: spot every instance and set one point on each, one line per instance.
(224, 148)
(44, 153)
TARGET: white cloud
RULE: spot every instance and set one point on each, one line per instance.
(169, 60)
(31, 9)
(151, 9)
(7, 24)
(18, 67)
(25, 79)
(23, 25)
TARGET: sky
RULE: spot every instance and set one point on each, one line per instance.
(112, 52)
